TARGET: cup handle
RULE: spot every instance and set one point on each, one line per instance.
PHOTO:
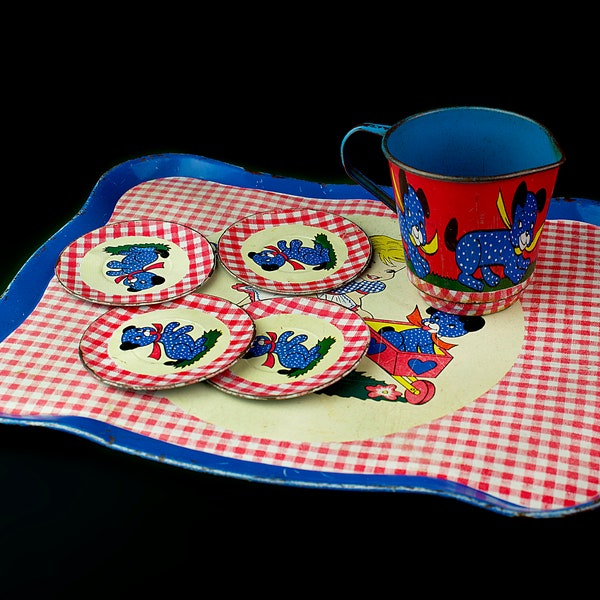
(356, 174)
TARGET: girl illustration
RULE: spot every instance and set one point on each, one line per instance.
(387, 259)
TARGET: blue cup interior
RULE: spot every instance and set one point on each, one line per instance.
(471, 143)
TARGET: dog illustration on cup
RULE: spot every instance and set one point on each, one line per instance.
(483, 249)
(413, 212)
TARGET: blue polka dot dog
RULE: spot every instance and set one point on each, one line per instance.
(320, 256)
(412, 214)
(136, 268)
(426, 333)
(499, 247)
(178, 345)
(289, 349)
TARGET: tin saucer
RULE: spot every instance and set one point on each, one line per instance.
(299, 251)
(136, 262)
(302, 344)
(166, 346)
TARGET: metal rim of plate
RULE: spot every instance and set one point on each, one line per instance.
(193, 244)
(274, 378)
(99, 350)
(299, 278)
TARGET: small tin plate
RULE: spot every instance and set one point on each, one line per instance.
(159, 347)
(136, 263)
(294, 251)
(302, 344)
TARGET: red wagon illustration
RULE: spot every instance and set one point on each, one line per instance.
(407, 367)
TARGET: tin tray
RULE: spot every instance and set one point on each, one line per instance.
(522, 442)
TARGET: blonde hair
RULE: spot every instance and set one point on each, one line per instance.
(389, 250)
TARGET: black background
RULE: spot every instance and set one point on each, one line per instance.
(79, 519)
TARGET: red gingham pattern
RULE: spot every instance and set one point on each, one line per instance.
(356, 240)
(94, 343)
(194, 244)
(467, 303)
(533, 439)
(356, 339)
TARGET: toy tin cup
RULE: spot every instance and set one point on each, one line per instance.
(471, 188)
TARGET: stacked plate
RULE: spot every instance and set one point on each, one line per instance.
(162, 332)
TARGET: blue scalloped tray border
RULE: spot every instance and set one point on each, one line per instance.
(21, 297)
